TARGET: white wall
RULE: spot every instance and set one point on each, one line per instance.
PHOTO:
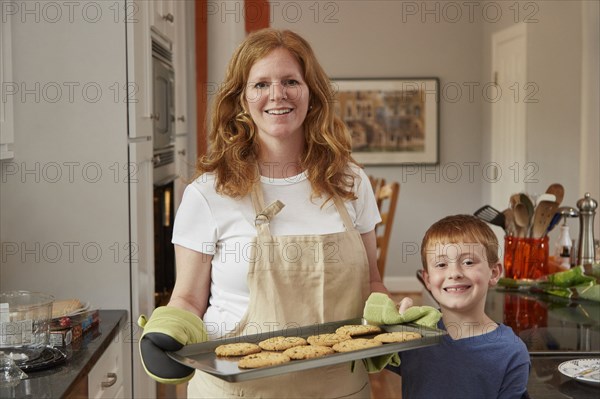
(555, 66)
(451, 41)
(385, 39)
(64, 196)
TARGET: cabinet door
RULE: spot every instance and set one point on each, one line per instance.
(142, 254)
(139, 56)
(107, 377)
(8, 87)
(180, 62)
(163, 17)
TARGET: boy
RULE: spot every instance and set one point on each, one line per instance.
(478, 358)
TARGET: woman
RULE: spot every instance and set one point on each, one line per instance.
(277, 230)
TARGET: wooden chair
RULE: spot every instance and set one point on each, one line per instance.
(377, 183)
(387, 198)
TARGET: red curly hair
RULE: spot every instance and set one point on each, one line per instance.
(233, 138)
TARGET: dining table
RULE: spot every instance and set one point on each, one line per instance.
(555, 330)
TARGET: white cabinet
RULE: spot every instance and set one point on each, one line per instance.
(139, 47)
(163, 17)
(8, 90)
(180, 53)
(107, 377)
(78, 200)
(142, 247)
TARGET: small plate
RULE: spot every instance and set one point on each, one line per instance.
(84, 307)
(583, 370)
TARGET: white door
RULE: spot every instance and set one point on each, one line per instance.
(508, 152)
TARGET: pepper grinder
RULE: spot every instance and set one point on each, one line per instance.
(564, 253)
(587, 210)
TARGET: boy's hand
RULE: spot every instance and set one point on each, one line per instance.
(404, 304)
(380, 309)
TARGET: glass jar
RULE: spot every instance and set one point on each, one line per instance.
(525, 258)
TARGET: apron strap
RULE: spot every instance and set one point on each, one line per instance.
(341, 208)
(264, 214)
(257, 197)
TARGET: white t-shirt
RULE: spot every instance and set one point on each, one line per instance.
(222, 226)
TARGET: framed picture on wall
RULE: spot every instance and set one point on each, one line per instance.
(392, 121)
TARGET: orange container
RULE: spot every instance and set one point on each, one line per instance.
(525, 258)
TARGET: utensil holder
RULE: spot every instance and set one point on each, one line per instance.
(525, 258)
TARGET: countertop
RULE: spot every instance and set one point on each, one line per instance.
(546, 382)
(555, 330)
(61, 381)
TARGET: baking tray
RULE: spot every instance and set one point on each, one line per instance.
(202, 356)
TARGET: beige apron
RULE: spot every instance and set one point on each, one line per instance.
(296, 281)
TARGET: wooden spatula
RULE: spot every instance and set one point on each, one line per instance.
(544, 212)
(558, 190)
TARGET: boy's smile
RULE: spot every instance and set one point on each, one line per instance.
(458, 276)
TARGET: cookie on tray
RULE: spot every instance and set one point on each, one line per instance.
(397, 336)
(262, 359)
(237, 349)
(281, 343)
(308, 352)
(327, 339)
(358, 329)
(356, 344)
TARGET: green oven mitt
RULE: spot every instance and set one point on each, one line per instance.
(169, 329)
(380, 309)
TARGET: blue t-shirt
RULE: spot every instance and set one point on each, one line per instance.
(492, 365)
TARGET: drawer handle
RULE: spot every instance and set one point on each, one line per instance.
(111, 379)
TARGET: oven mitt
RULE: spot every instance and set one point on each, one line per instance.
(169, 329)
(380, 309)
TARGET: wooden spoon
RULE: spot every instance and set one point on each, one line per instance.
(558, 190)
(514, 200)
(526, 201)
(521, 219)
(510, 226)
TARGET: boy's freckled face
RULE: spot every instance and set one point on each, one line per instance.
(458, 276)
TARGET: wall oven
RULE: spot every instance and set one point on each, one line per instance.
(163, 87)
(163, 117)
(164, 216)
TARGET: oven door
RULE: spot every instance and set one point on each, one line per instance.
(164, 251)
(164, 104)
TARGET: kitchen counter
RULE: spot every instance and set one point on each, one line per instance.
(70, 378)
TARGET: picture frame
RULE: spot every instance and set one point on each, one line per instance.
(392, 121)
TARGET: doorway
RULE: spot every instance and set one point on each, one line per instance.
(508, 142)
